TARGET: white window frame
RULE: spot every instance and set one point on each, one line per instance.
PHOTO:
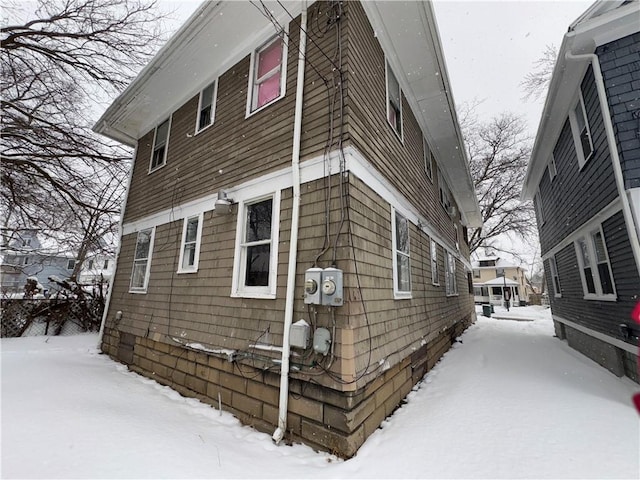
(553, 171)
(435, 273)
(451, 283)
(183, 245)
(553, 267)
(575, 129)
(238, 288)
(153, 168)
(587, 237)
(397, 131)
(457, 236)
(214, 97)
(397, 293)
(537, 205)
(143, 288)
(428, 159)
(444, 192)
(252, 98)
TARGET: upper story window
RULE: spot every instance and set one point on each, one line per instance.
(445, 193)
(268, 74)
(160, 144)
(428, 160)
(581, 131)
(476, 273)
(256, 257)
(190, 248)
(435, 275)
(457, 237)
(401, 256)
(553, 267)
(499, 272)
(142, 261)
(537, 206)
(394, 102)
(105, 265)
(90, 265)
(71, 264)
(450, 275)
(207, 106)
(552, 168)
(595, 268)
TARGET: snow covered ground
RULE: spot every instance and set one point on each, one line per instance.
(510, 401)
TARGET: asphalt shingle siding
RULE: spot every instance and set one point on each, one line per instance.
(620, 64)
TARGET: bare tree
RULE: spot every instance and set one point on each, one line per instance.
(58, 61)
(498, 154)
(536, 82)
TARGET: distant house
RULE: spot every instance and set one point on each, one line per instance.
(493, 275)
(97, 269)
(584, 179)
(25, 257)
(294, 239)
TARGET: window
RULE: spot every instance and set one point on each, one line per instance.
(552, 168)
(190, 249)
(595, 269)
(401, 262)
(428, 160)
(256, 259)
(26, 242)
(476, 273)
(90, 265)
(142, 261)
(394, 102)
(581, 131)
(499, 272)
(450, 275)
(105, 265)
(470, 283)
(457, 238)
(553, 268)
(435, 276)
(537, 206)
(207, 106)
(445, 194)
(71, 264)
(267, 80)
(25, 261)
(160, 141)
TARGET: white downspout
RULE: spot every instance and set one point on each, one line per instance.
(613, 149)
(117, 256)
(278, 435)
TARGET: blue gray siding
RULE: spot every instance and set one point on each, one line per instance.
(604, 317)
(620, 64)
(575, 195)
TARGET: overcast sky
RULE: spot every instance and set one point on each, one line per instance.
(489, 47)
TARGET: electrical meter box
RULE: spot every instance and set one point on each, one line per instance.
(332, 287)
(299, 334)
(312, 285)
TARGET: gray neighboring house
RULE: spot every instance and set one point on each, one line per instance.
(26, 257)
(584, 179)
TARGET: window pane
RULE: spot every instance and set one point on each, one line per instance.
(268, 90)
(394, 88)
(161, 133)
(586, 260)
(404, 274)
(142, 244)
(139, 271)
(258, 225)
(257, 268)
(189, 257)
(269, 58)
(605, 278)
(192, 230)
(588, 276)
(402, 234)
(601, 255)
(207, 96)
(586, 142)
(205, 117)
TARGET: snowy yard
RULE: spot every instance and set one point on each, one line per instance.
(510, 401)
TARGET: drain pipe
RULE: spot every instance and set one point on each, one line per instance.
(613, 149)
(278, 435)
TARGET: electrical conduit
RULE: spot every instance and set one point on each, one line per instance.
(613, 149)
(278, 435)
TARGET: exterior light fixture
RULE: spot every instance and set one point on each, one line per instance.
(223, 203)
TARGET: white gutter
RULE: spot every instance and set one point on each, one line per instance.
(115, 268)
(278, 435)
(613, 149)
